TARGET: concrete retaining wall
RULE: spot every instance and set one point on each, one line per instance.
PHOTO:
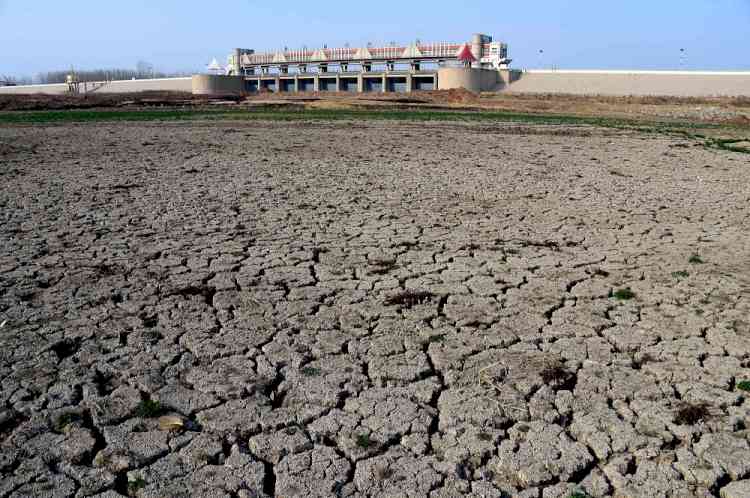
(667, 83)
(123, 86)
(475, 80)
(30, 89)
(211, 84)
(642, 83)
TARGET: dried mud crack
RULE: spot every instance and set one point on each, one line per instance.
(387, 309)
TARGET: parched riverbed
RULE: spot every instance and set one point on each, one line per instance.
(371, 309)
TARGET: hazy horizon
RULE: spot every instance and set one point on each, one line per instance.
(41, 36)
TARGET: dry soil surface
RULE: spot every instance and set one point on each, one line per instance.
(371, 310)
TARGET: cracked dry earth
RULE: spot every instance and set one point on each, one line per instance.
(371, 310)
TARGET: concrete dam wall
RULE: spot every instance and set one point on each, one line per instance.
(120, 86)
(581, 82)
(475, 80)
(623, 83)
(208, 84)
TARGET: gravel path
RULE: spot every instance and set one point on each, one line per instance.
(371, 310)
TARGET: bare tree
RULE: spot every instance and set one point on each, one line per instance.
(6, 80)
(143, 70)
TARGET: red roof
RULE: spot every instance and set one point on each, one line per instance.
(465, 54)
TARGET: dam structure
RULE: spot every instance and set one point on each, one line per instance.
(478, 65)
(391, 68)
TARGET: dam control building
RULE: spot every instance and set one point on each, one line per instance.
(474, 65)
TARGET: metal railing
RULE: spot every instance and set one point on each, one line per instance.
(441, 50)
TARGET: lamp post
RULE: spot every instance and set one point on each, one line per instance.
(683, 55)
(541, 53)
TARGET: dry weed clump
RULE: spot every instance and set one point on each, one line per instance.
(691, 413)
(409, 298)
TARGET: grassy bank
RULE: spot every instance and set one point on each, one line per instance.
(84, 115)
(689, 129)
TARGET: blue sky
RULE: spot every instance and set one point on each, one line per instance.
(40, 35)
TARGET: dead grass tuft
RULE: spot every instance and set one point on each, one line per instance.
(555, 374)
(691, 413)
(382, 266)
(409, 298)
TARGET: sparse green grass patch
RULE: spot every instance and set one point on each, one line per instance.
(729, 144)
(364, 441)
(687, 129)
(695, 259)
(149, 409)
(83, 115)
(311, 371)
(100, 460)
(135, 485)
(680, 274)
(64, 421)
(579, 494)
(437, 338)
(743, 385)
(623, 294)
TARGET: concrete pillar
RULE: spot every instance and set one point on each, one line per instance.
(278, 84)
(296, 83)
(316, 83)
(237, 62)
(338, 82)
(409, 83)
(360, 83)
(385, 82)
(476, 48)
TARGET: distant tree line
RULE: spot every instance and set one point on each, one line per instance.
(14, 80)
(101, 75)
(142, 71)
